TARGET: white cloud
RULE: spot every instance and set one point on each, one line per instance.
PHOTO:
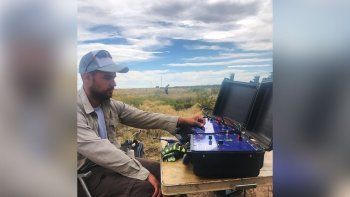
(149, 25)
(147, 79)
(120, 53)
(206, 47)
(152, 78)
(221, 63)
(250, 66)
(86, 35)
(248, 24)
(222, 56)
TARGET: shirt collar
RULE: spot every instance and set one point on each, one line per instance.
(85, 101)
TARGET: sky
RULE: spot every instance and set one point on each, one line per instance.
(181, 43)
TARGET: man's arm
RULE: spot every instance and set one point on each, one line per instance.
(105, 154)
(134, 117)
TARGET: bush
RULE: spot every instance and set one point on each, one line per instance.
(178, 98)
(206, 99)
(136, 101)
(179, 104)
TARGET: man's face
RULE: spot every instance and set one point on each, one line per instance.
(102, 84)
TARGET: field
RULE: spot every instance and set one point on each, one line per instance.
(181, 101)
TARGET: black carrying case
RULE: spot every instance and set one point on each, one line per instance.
(251, 105)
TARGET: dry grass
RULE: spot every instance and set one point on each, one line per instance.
(185, 102)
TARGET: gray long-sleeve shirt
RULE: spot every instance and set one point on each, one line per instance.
(106, 152)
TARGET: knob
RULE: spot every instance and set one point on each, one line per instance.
(220, 142)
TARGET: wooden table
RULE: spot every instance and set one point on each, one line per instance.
(178, 178)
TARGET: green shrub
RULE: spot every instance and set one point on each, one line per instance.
(136, 101)
(179, 104)
(205, 99)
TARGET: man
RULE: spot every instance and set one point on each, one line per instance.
(166, 89)
(113, 172)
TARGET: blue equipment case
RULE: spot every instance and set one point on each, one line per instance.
(221, 149)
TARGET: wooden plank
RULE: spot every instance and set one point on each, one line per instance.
(178, 178)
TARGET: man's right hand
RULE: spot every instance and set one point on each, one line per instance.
(152, 179)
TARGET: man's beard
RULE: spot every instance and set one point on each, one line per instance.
(102, 96)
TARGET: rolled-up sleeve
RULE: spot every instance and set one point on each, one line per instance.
(104, 153)
(134, 117)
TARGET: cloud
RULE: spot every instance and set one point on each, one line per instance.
(152, 78)
(146, 79)
(225, 11)
(206, 47)
(222, 56)
(206, 12)
(250, 66)
(222, 63)
(173, 9)
(147, 26)
(247, 24)
(120, 53)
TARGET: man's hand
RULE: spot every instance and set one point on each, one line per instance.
(152, 179)
(197, 120)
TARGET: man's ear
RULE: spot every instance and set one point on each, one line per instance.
(86, 76)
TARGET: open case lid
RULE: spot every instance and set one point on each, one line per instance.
(259, 125)
(235, 100)
(250, 105)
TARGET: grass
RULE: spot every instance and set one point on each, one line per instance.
(178, 98)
